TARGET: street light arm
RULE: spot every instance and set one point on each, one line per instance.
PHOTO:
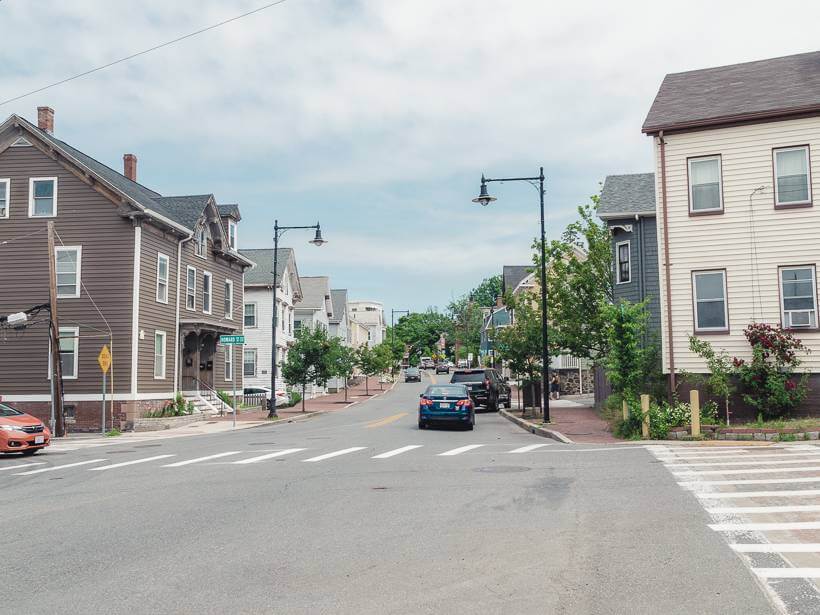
(487, 180)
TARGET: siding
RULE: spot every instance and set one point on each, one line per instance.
(783, 237)
(86, 218)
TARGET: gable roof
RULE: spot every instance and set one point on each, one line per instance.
(338, 299)
(512, 275)
(231, 210)
(627, 196)
(760, 90)
(261, 274)
(315, 289)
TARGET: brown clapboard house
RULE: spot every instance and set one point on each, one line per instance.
(157, 278)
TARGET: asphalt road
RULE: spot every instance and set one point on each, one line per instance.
(553, 529)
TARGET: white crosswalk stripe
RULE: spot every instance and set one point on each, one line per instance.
(768, 547)
(788, 573)
(751, 481)
(179, 464)
(22, 465)
(459, 450)
(528, 448)
(760, 510)
(397, 451)
(733, 464)
(765, 527)
(129, 463)
(797, 493)
(274, 455)
(744, 458)
(62, 467)
(344, 451)
(747, 471)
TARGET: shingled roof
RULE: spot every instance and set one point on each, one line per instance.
(765, 89)
(315, 290)
(627, 195)
(261, 274)
(338, 299)
(512, 275)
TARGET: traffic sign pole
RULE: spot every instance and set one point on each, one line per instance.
(104, 361)
(103, 403)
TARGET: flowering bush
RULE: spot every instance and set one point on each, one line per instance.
(769, 380)
(663, 417)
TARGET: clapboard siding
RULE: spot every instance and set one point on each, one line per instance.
(724, 241)
(85, 218)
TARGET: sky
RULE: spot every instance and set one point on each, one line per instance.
(378, 117)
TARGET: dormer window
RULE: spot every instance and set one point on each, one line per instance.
(232, 234)
(201, 242)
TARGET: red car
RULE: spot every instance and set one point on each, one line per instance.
(21, 432)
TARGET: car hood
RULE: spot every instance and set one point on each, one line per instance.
(23, 419)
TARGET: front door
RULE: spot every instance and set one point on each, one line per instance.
(207, 351)
(190, 362)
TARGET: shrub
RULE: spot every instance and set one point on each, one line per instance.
(662, 418)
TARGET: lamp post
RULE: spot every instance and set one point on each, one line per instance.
(393, 335)
(485, 199)
(278, 231)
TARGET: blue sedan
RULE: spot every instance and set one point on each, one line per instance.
(446, 403)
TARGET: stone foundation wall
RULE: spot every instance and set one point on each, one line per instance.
(86, 416)
(570, 380)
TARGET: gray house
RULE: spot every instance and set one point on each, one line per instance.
(627, 205)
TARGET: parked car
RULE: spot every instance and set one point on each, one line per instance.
(21, 432)
(412, 374)
(505, 393)
(463, 363)
(442, 368)
(485, 386)
(282, 397)
(446, 403)
(427, 363)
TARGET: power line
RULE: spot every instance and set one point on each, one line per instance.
(143, 52)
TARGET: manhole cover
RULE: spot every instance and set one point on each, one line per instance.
(502, 469)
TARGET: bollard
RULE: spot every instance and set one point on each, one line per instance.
(694, 404)
(645, 413)
(626, 410)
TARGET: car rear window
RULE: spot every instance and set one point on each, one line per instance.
(477, 376)
(8, 411)
(446, 391)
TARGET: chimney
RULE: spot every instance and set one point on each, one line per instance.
(45, 119)
(499, 301)
(129, 163)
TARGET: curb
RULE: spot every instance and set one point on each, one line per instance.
(535, 429)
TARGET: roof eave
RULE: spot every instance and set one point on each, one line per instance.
(626, 214)
(739, 118)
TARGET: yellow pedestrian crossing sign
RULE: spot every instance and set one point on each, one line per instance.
(104, 359)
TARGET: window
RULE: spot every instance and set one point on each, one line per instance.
(5, 189)
(42, 197)
(250, 315)
(624, 265)
(249, 362)
(232, 234)
(709, 290)
(705, 191)
(206, 292)
(229, 299)
(162, 278)
(68, 270)
(792, 179)
(69, 349)
(190, 289)
(201, 242)
(159, 355)
(297, 325)
(290, 320)
(229, 363)
(798, 295)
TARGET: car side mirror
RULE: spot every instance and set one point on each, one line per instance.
(421, 395)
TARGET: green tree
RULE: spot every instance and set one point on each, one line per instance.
(383, 359)
(520, 343)
(627, 359)
(342, 361)
(467, 319)
(308, 361)
(486, 292)
(420, 331)
(719, 364)
(368, 364)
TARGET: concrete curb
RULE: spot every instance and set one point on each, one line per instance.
(536, 429)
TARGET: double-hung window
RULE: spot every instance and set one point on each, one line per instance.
(232, 234)
(229, 299)
(190, 289)
(162, 278)
(705, 190)
(709, 297)
(5, 190)
(69, 351)
(201, 242)
(42, 197)
(249, 362)
(798, 295)
(228, 363)
(159, 355)
(792, 179)
(250, 315)
(68, 260)
(207, 292)
(623, 262)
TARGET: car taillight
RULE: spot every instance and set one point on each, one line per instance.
(464, 402)
(426, 402)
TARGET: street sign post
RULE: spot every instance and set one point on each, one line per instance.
(230, 341)
(104, 360)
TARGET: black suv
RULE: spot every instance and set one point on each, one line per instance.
(485, 386)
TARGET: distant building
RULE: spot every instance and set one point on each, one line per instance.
(370, 315)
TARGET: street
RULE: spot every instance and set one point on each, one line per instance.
(360, 512)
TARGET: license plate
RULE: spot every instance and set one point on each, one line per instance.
(444, 406)
(39, 439)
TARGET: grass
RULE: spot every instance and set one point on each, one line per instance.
(113, 433)
(808, 424)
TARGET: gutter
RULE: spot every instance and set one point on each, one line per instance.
(178, 347)
(666, 265)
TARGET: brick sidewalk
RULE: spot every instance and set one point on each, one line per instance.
(577, 421)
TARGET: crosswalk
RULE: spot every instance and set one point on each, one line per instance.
(765, 502)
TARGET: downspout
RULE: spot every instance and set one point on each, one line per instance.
(666, 265)
(641, 277)
(178, 345)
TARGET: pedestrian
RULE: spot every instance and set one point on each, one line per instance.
(555, 387)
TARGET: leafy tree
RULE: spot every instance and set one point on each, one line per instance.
(342, 361)
(420, 331)
(520, 343)
(383, 359)
(719, 380)
(467, 320)
(308, 361)
(368, 363)
(485, 293)
(627, 359)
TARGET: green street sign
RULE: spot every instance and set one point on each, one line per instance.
(231, 340)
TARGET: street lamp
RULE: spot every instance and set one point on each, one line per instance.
(317, 241)
(485, 199)
(393, 335)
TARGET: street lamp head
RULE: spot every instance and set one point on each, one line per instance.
(317, 240)
(484, 197)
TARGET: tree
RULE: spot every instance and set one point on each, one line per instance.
(420, 331)
(383, 359)
(486, 292)
(467, 320)
(520, 343)
(308, 361)
(719, 380)
(342, 361)
(368, 363)
(627, 361)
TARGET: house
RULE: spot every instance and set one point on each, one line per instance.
(314, 311)
(339, 329)
(737, 164)
(513, 275)
(156, 278)
(258, 313)
(627, 206)
(370, 315)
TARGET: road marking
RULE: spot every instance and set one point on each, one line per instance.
(711, 450)
(22, 465)
(52, 468)
(779, 462)
(459, 450)
(759, 494)
(763, 509)
(198, 459)
(344, 451)
(765, 527)
(397, 451)
(386, 421)
(129, 463)
(528, 448)
(767, 547)
(748, 471)
(744, 457)
(282, 453)
(752, 481)
(787, 573)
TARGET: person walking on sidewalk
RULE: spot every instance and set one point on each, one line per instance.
(555, 387)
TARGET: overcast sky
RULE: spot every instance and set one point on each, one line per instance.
(378, 117)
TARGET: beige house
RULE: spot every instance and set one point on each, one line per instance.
(737, 167)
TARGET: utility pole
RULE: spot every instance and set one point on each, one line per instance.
(54, 333)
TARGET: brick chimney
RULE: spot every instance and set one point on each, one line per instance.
(499, 301)
(45, 119)
(129, 164)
